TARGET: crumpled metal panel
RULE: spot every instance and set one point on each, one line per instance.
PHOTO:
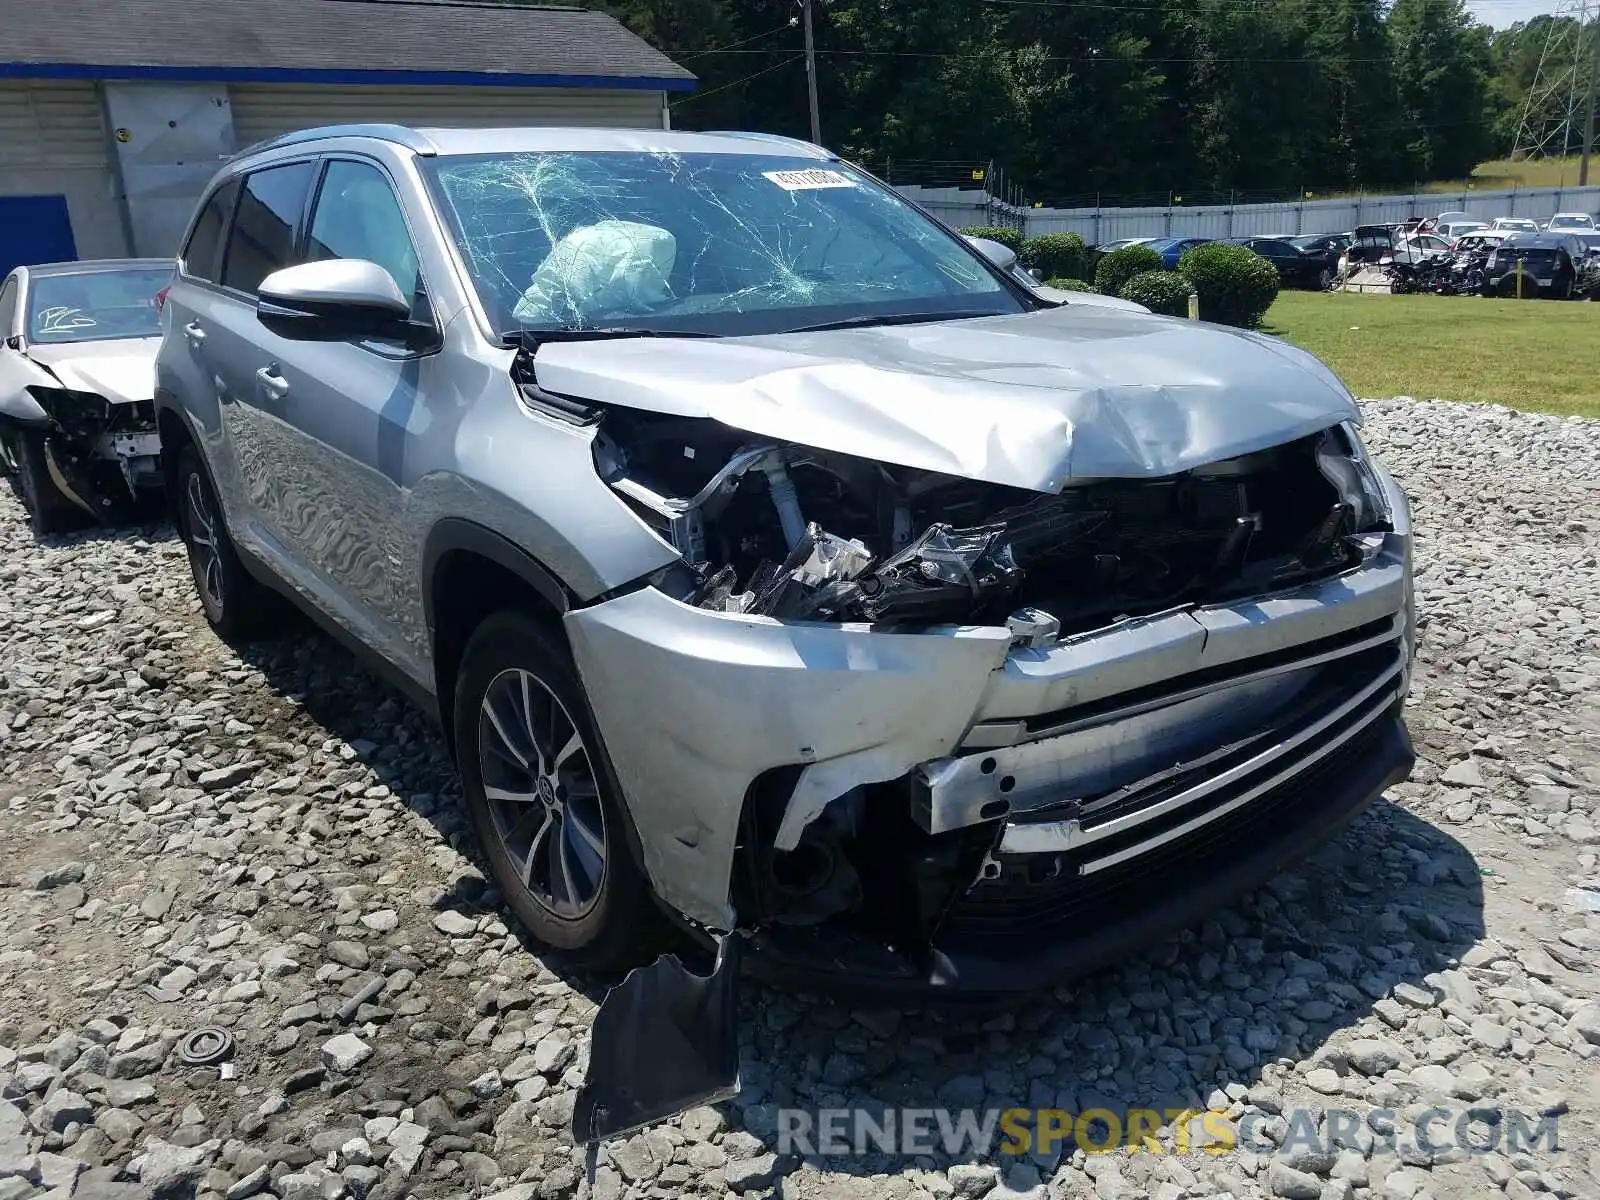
(694, 705)
(17, 375)
(1031, 400)
(123, 371)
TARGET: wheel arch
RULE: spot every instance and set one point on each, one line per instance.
(469, 572)
(172, 425)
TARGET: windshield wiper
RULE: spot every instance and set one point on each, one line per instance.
(531, 339)
(864, 320)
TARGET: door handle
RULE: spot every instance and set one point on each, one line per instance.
(194, 333)
(273, 384)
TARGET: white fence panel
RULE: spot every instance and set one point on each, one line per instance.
(964, 206)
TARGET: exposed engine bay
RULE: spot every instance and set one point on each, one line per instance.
(102, 455)
(803, 534)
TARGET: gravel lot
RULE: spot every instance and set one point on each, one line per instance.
(268, 842)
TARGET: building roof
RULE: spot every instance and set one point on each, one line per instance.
(331, 41)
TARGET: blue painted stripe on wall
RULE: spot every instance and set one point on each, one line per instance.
(25, 70)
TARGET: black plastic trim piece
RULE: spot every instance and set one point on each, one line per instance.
(456, 533)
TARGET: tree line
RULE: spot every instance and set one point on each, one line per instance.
(1123, 98)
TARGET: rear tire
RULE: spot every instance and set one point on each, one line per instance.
(543, 801)
(237, 605)
(49, 510)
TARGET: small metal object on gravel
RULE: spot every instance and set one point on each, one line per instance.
(348, 1010)
(206, 1046)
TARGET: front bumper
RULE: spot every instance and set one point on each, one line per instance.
(1017, 942)
(697, 706)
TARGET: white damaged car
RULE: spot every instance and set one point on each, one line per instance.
(77, 384)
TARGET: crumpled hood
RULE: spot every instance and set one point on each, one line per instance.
(1031, 400)
(123, 371)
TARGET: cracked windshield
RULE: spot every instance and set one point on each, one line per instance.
(701, 244)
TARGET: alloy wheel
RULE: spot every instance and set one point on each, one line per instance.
(539, 781)
(205, 559)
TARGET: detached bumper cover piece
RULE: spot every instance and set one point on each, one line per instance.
(664, 1040)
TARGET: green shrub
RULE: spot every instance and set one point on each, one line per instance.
(1006, 237)
(1119, 266)
(1163, 292)
(1069, 285)
(1058, 255)
(1236, 285)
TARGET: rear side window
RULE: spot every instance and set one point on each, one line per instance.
(262, 240)
(202, 255)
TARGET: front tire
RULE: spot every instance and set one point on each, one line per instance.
(542, 799)
(237, 605)
(49, 511)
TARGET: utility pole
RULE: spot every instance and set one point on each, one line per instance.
(811, 74)
(1588, 121)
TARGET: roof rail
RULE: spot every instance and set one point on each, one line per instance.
(398, 134)
(776, 138)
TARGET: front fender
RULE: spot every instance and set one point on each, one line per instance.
(17, 375)
(22, 409)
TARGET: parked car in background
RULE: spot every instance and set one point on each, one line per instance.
(1325, 249)
(1450, 230)
(1417, 247)
(775, 559)
(1549, 265)
(1171, 249)
(1295, 267)
(1480, 242)
(1514, 225)
(1573, 222)
(1370, 245)
(77, 381)
(1119, 243)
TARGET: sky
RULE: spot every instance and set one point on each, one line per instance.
(1501, 13)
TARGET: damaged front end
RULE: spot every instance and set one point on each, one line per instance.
(916, 732)
(102, 455)
(810, 535)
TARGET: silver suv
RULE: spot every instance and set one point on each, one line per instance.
(775, 560)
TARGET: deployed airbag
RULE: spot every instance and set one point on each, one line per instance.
(605, 269)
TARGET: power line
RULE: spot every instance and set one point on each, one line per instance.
(940, 55)
(737, 82)
(688, 54)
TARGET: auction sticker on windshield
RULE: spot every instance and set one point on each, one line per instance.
(809, 181)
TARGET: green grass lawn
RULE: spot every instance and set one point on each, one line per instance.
(1541, 355)
(1501, 174)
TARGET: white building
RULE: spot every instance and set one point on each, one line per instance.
(114, 113)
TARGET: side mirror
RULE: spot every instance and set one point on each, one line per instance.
(1000, 255)
(338, 300)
